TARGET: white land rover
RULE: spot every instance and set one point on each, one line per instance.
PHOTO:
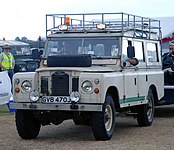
(93, 66)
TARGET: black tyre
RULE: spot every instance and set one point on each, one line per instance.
(103, 123)
(69, 61)
(27, 126)
(145, 112)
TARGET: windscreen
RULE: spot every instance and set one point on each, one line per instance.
(20, 50)
(103, 47)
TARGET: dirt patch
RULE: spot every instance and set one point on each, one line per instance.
(68, 136)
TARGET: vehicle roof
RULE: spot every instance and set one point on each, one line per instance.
(12, 43)
(135, 34)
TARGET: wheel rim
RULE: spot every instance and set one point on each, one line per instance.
(108, 117)
(150, 108)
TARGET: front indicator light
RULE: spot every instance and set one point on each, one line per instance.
(17, 90)
(96, 90)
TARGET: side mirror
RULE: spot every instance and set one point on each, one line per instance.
(131, 51)
(133, 61)
(41, 52)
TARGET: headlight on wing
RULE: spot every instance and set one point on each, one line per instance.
(26, 86)
(22, 68)
(87, 86)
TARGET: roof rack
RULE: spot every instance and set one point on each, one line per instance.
(114, 22)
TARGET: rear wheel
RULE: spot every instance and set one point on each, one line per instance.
(27, 126)
(103, 123)
(146, 112)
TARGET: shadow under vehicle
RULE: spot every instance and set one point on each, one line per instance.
(26, 60)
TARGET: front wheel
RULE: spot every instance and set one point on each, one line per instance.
(146, 112)
(103, 123)
(27, 126)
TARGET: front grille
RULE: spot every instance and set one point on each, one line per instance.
(44, 85)
(32, 66)
(75, 83)
(60, 84)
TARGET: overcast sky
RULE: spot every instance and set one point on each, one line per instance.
(27, 17)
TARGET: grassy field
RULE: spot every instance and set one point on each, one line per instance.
(4, 109)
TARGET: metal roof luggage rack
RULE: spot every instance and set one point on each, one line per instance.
(111, 22)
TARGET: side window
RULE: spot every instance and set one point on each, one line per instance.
(124, 50)
(139, 51)
(152, 52)
(13, 49)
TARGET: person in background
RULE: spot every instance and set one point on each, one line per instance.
(7, 61)
(168, 65)
(114, 50)
(168, 58)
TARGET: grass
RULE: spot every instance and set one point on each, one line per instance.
(4, 109)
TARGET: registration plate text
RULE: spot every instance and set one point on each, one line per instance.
(56, 99)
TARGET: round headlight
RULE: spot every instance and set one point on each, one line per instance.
(87, 86)
(23, 69)
(75, 96)
(34, 96)
(26, 86)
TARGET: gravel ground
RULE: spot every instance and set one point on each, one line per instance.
(68, 136)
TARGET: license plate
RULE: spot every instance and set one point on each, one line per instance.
(56, 99)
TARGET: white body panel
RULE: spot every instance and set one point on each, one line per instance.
(132, 85)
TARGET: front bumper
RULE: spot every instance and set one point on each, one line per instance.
(61, 107)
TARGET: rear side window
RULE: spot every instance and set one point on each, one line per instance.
(139, 51)
(152, 52)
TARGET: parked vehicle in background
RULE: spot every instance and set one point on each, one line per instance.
(168, 68)
(94, 66)
(25, 59)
